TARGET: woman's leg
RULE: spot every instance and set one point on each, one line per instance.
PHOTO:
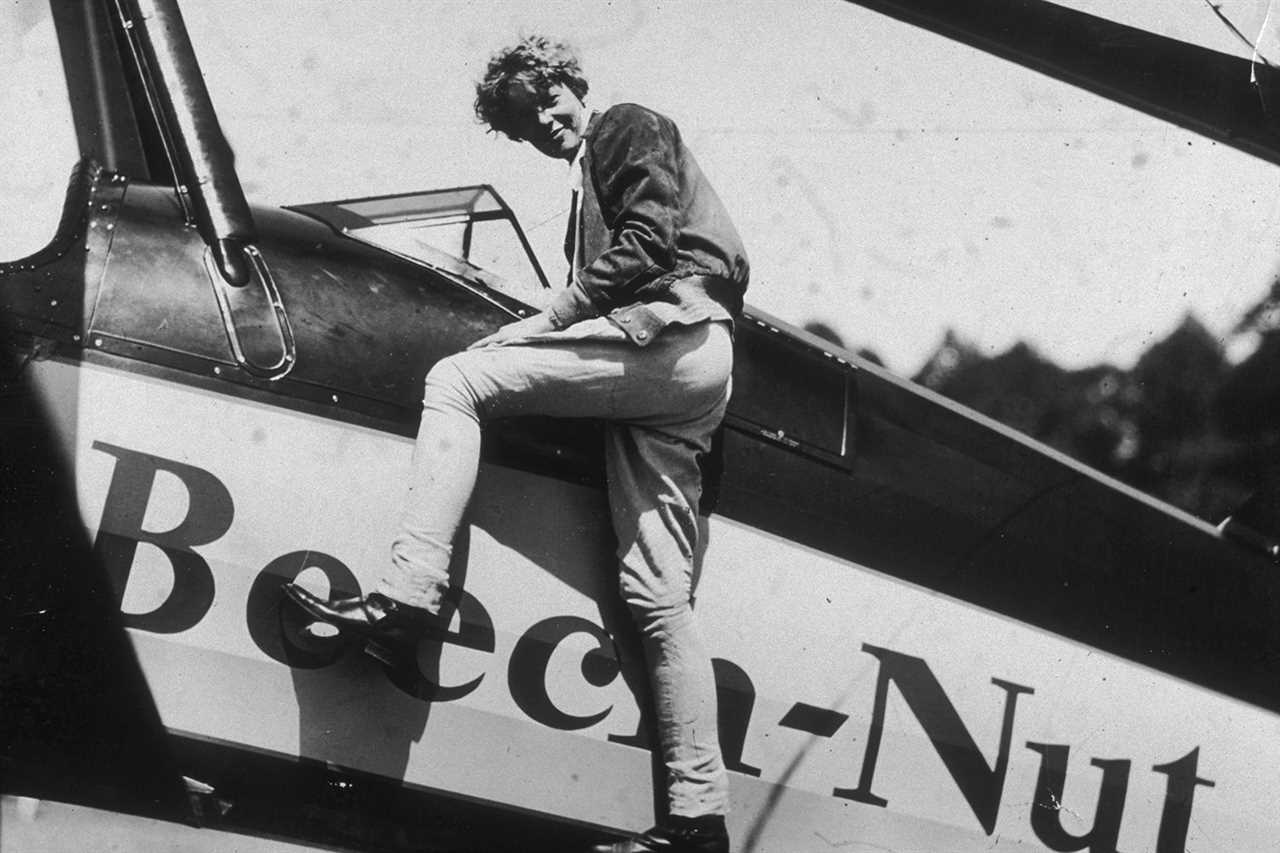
(654, 487)
(588, 370)
(446, 457)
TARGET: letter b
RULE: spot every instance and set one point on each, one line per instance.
(209, 515)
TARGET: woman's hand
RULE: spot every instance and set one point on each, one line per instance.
(534, 325)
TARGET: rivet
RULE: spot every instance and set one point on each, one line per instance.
(217, 371)
(53, 303)
(75, 338)
(97, 342)
(334, 398)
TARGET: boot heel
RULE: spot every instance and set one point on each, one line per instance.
(386, 654)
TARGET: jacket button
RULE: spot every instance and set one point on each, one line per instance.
(641, 335)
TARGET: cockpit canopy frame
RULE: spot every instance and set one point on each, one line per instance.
(441, 229)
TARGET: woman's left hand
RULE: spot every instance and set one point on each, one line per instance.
(534, 325)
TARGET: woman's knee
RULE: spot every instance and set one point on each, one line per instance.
(652, 597)
(448, 383)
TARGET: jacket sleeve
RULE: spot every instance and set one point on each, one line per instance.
(635, 164)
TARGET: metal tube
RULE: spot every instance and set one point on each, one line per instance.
(106, 126)
(204, 161)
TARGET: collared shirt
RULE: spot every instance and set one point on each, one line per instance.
(575, 212)
(575, 168)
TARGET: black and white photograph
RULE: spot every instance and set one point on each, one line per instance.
(639, 426)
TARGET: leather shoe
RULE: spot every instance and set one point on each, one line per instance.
(391, 628)
(698, 835)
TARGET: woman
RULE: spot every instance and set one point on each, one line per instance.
(642, 338)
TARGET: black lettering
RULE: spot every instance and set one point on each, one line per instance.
(981, 785)
(527, 673)
(644, 735)
(279, 628)
(735, 702)
(1046, 809)
(209, 514)
(736, 699)
(475, 631)
(642, 739)
(1179, 795)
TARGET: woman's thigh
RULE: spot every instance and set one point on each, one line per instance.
(593, 370)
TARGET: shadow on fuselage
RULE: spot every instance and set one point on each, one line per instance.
(77, 721)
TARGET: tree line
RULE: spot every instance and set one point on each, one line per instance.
(1184, 424)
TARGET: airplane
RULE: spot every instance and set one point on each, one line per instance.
(929, 631)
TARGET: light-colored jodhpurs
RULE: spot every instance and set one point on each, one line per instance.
(661, 404)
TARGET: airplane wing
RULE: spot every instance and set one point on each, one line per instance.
(1202, 89)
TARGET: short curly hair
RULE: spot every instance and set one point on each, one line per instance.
(536, 61)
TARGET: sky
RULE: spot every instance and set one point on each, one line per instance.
(888, 183)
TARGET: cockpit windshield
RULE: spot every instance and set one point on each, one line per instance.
(468, 232)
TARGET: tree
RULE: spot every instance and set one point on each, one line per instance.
(1154, 427)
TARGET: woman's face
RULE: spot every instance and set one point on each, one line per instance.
(552, 120)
